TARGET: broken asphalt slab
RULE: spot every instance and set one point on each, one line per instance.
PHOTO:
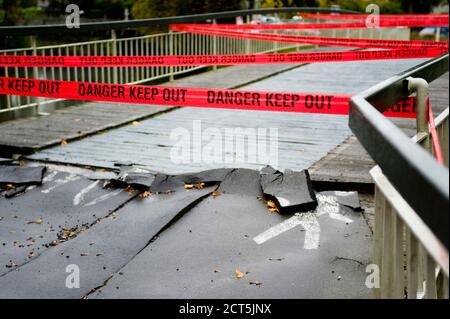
(33, 222)
(18, 175)
(197, 257)
(291, 191)
(115, 230)
(100, 251)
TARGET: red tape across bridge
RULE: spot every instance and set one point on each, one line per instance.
(179, 96)
(217, 59)
(234, 99)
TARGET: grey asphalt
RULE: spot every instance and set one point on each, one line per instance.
(182, 243)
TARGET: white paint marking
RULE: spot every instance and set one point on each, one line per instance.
(104, 197)
(309, 221)
(277, 230)
(78, 198)
(60, 182)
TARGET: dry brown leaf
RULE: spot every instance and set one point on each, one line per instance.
(30, 254)
(21, 162)
(10, 186)
(239, 274)
(129, 189)
(36, 221)
(63, 142)
(216, 193)
(188, 186)
(145, 194)
(272, 207)
(199, 185)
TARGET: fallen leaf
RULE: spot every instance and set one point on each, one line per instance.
(239, 274)
(36, 221)
(145, 194)
(135, 123)
(272, 207)
(30, 254)
(216, 193)
(63, 142)
(21, 162)
(129, 189)
(10, 186)
(199, 185)
(188, 186)
(98, 254)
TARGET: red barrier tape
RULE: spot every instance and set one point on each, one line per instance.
(316, 40)
(316, 26)
(178, 96)
(434, 135)
(422, 19)
(226, 59)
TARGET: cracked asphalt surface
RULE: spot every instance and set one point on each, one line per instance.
(179, 236)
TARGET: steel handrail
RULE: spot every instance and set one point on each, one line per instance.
(417, 176)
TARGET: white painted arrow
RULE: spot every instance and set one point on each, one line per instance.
(309, 221)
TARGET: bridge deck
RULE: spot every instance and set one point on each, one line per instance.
(303, 138)
(190, 243)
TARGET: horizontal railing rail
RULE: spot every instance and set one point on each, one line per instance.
(138, 23)
(411, 187)
(418, 177)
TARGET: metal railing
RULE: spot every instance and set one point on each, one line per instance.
(170, 43)
(411, 189)
(155, 44)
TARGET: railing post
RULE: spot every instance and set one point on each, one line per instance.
(214, 21)
(247, 42)
(35, 69)
(420, 86)
(171, 50)
(114, 53)
(438, 34)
